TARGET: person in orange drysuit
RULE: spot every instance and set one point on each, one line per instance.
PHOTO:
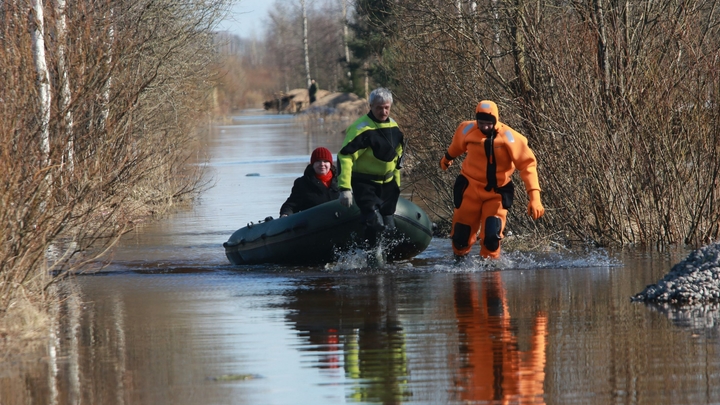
(484, 191)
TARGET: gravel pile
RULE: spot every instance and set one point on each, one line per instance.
(694, 280)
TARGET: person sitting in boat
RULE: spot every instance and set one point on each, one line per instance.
(316, 186)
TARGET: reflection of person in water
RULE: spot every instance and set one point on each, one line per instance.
(493, 367)
(359, 322)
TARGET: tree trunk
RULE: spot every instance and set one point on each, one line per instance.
(496, 26)
(604, 66)
(105, 109)
(345, 31)
(64, 83)
(367, 83)
(305, 43)
(603, 59)
(521, 66)
(43, 77)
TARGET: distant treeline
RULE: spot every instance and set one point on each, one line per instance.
(343, 51)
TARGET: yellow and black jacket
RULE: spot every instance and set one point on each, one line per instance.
(371, 151)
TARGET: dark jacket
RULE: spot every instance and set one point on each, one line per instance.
(384, 140)
(308, 191)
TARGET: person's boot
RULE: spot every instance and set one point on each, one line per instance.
(389, 222)
(460, 259)
(389, 231)
(375, 257)
(375, 222)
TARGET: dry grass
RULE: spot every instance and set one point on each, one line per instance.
(24, 323)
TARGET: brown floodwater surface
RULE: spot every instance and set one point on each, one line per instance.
(170, 321)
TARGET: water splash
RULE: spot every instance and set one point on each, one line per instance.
(359, 257)
(522, 260)
(352, 259)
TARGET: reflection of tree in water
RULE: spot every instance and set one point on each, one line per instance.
(355, 318)
(492, 368)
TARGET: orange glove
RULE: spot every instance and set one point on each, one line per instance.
(535, 208)
(445, 163)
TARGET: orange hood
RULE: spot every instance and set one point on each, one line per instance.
(488, 107)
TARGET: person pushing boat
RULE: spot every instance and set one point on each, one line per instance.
(369, 162)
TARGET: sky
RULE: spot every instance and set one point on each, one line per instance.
(246, 18)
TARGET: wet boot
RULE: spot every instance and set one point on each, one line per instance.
(375, 257)
(460, 259)
(390, 236)
(389, 222)
(389, 230)
(375, 222)
(374, 226)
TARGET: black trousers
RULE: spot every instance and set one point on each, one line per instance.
(370, 196)
(375, 202)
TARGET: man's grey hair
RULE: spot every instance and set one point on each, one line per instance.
(380, 95)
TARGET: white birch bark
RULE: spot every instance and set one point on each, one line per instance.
(43, 78)
(496, 25)
(64, 84)
(345, 31)
(105, 108)
(305, 43)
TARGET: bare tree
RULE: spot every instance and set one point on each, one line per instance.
(346, 48)
(281, 51)
(617, 100)
(43, 77)
(321, 56)
(55, 221)
(107, 83)
(305, 43)
(64, 82)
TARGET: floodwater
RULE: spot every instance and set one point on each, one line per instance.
(172, 322)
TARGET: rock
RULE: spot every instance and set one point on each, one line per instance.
(695, 280)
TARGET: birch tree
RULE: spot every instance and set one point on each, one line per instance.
(323, 55)
(43, 78)
(149, 89)
(346, 48)
(305, 43)
(64, 83)
(105, 96)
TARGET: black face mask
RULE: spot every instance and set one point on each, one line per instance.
(490, 131)
(486, 118)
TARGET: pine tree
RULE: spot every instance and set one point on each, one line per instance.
(373, 30)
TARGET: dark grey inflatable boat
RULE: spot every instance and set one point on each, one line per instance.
(319, 234)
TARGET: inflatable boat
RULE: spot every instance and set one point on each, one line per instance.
(320, 234)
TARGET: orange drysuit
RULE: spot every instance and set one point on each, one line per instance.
(483, 191)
